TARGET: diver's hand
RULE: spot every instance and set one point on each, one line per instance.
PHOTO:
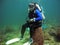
(32, 20)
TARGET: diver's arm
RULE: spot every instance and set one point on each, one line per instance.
(38, 18)
(39, 15)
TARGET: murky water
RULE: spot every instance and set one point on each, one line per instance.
(14, 12)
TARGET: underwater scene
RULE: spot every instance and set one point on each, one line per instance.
(14, 13)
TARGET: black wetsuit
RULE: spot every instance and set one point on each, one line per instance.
(31, 25)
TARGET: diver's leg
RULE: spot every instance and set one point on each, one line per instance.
(32, 29)
(23, 29)
(31, 32)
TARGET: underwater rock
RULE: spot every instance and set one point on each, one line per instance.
(2, 39)
(46, 36)
(58, 35)
(52, 32)
(2, 35)
(46, 44)
(55, 32)
(9, 29)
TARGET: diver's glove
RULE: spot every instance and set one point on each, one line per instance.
(32, 20)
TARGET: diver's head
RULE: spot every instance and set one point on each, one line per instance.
(34, 5)
(31, 6)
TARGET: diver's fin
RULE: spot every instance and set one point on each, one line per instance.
(12, 41)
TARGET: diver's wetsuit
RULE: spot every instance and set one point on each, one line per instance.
(32, 25)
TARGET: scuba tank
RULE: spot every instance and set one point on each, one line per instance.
(38, 7)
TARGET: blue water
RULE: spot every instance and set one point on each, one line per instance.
(14, 12)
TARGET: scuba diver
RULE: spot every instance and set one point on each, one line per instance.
(35, 20)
